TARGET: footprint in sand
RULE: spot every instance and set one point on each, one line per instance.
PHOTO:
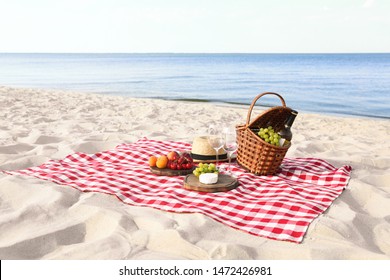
(16, 149)
(170, 241)
(48, 139)
(40, 245)
(35, 136)
(382, 237)
(93, 147)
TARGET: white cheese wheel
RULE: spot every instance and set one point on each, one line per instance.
(208, 178)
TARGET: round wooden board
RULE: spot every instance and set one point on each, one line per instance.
(170, 172)
(225, 183)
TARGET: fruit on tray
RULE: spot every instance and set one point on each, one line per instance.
(173, 155)
(269, 135)
(152, 161)
(203, 168)
(173, 160)
(162, 161)
(184, 161)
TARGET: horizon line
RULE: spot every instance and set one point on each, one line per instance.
(1, 52)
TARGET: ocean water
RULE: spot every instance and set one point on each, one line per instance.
(347, 84)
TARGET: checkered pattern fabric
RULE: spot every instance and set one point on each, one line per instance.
(278, 207)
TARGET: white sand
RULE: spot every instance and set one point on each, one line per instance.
(42, 220)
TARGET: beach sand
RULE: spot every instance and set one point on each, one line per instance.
(43, 220)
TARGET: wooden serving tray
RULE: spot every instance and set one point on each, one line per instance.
(170, 172)
(225, 183)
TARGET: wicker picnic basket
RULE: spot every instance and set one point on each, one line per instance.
(254, 154)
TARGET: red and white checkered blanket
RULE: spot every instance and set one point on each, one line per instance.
(278, 207)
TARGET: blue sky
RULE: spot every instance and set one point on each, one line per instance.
(195, 26)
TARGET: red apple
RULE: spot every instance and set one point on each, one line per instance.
(173, 155)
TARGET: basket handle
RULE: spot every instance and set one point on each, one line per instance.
(257, 98)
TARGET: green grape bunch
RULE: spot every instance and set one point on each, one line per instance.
(205, 168)
(269, 135)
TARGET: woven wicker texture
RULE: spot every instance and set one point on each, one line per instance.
(254, 154)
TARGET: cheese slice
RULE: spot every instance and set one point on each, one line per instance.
(208, 178)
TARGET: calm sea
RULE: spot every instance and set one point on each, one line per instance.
(348, 84)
